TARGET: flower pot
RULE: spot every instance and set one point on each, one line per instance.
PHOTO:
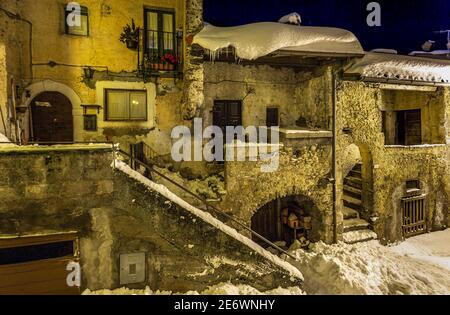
(132, 44)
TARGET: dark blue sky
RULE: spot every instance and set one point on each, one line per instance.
(406, 24)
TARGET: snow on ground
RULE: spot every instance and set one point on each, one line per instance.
(395, 67)
(219, 289)
(418, 266)
(207, 217)
(256, 40)
(433, 248)
(4, 141)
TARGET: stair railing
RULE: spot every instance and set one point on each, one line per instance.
(208, 205)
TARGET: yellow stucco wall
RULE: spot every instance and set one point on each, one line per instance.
(101, 48)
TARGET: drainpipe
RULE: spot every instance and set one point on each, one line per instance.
(334, 163)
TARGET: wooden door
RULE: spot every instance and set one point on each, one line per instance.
(409, 127)
(37, 265)
(267, 222)
(52, 118)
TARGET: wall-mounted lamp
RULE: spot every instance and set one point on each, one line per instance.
(88, 73)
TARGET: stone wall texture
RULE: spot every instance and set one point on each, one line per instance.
(387, 168)
(100, 50)
(63, 190)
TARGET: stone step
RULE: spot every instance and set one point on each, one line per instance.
(352, 192)
(353, 182)
(354, 200)
(355, 224)
(358, 167)
(350, 213)
(355, 206)
(355, 173)
(365, 235)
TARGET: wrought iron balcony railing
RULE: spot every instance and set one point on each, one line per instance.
(160, 53)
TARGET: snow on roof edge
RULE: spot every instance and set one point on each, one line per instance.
(252, 41)
(208, 218)
(401, 69)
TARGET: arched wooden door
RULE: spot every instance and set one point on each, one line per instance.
(52, 118)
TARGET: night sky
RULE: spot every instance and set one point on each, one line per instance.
(406, 24)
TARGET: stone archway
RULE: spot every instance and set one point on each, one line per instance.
(52, 119)
(289, 218)
(34, 90)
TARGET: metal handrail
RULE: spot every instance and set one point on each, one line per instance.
(207, 204)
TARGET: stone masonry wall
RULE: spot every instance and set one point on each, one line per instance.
(305, 171)
(65, 189)
(387, 168)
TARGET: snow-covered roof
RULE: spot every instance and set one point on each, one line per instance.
(253, 41)
(391, 67)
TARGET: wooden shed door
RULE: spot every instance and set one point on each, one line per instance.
(37, 265)
(52, 118)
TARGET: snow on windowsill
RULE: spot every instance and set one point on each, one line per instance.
(207, 217)
(419, 146)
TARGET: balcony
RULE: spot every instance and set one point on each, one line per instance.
(160, 54)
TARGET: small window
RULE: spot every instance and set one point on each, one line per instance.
(90, 122)
(272, 119)
(126, 105)
(412, 184)
(76, 20)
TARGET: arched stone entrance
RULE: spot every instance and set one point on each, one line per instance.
(51, 118)
(289, 218)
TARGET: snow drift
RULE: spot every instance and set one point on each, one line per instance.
(396, 67)
(420, 265)
(253, 41)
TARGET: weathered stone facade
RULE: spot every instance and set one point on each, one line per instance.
(60, 69)
(69, 189)
(387, 168)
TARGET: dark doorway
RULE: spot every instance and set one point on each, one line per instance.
(287, 219)
(272, 117)
(52, 118)
(227, 113)
(409, 127)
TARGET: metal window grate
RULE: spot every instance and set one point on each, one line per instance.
(414, 216)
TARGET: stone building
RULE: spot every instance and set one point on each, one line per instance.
(88, 70)
(364, 147)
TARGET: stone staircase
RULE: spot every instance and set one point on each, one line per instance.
(355, 229)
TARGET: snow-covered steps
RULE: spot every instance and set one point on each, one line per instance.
(355, 224)
(350, 213)
(365, 235)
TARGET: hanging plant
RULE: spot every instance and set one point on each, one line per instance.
(130, 35)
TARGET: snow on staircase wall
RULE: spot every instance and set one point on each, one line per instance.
(208, 218)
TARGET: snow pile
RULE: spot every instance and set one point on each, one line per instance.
(219, 289)
(207, 217)
(4, 141)
(395, 67)
(292, 18)
(370, 268)
(256, 40)
(3, 138)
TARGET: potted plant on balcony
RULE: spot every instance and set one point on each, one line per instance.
(130, 35)
(169, 61)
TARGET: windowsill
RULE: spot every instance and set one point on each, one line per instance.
(299, 133)
(418, 146)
